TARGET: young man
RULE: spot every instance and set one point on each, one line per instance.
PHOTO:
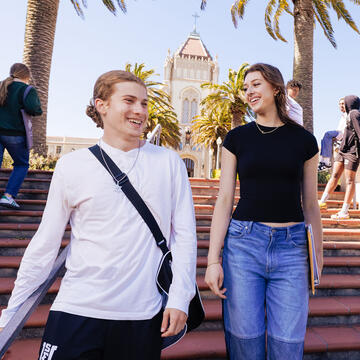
(327, 140)
(295, 111)
(108, 306)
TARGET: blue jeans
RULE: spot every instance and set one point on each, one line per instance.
(266, 275)
(16, 147)
(326, 143)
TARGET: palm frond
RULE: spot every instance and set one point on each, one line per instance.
(237, 10)
(343, 13)
(108, 3)
(283, 4)
(78, 8)
(321, 14)
(268, 22)
(203, 4)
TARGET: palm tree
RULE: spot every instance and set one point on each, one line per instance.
(170, 132)
(40, 28)
(160, 108)
(229, 96)
(306, 13)
(210, 125)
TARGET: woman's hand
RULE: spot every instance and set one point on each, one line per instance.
(320, 261)
(214, 277)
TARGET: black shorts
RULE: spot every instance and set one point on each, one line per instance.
(74, 337)
(349, 163)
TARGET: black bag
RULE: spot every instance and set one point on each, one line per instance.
(196, 312)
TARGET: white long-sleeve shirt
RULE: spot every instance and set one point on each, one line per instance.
(295, 111)
(342, 123)
(113, 257)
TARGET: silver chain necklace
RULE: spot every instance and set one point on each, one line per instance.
(117, 187)
(266, 132)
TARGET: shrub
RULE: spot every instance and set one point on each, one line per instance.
(36, 161)
(323, 177)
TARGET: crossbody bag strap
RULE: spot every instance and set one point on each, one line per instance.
(121, 179)
(28, 88)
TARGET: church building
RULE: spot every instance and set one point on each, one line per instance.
(184, 72)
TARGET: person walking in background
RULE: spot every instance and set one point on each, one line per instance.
(265, 257)
(347, 159)
(329, 136)
(12, 130)
(295, 111)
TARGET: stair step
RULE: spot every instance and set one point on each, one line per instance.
(341, 234)
(335, 261)
(321, 306)
(348, 224)
(7, 284)
(328, 245)
(354, 213)
(33, 174)
(328, 281)
(211, 345)
(29, 183)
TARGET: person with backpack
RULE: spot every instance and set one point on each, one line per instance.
(108, 305)
(12, 129)
(347, 160)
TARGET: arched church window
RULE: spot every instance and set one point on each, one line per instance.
(185, 113)
(193, 109)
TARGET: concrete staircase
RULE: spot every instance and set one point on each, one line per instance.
(334, 315)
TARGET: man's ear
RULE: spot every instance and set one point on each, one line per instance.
(101, 106)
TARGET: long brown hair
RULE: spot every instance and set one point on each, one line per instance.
(18, 70)
(104, 88)
(273, 76)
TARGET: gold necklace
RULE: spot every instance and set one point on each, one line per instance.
(266, 132)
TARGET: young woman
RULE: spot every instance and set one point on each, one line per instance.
(12, 130)
(265, 251)
(108, 306)
(346, 160)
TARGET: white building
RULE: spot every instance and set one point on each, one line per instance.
(60, 145)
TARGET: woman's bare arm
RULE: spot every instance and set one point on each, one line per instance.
(220, 222)
(311, 207)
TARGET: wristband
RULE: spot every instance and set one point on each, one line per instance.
(208, 265)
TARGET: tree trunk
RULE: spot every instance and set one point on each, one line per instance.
(303, 57)
(237, 120)
(38, 48)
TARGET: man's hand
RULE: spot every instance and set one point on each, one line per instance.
(173, 322)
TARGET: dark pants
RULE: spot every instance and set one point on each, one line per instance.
(73, 337)
(16, 147)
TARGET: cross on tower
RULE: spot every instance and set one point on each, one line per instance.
(195, 16)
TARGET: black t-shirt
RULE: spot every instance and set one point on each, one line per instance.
(270, 168)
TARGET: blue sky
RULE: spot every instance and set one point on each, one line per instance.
(84, 49)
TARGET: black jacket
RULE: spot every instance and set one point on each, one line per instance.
(350, 143)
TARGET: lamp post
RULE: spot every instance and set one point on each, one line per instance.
(211, 151)
(218, 143)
